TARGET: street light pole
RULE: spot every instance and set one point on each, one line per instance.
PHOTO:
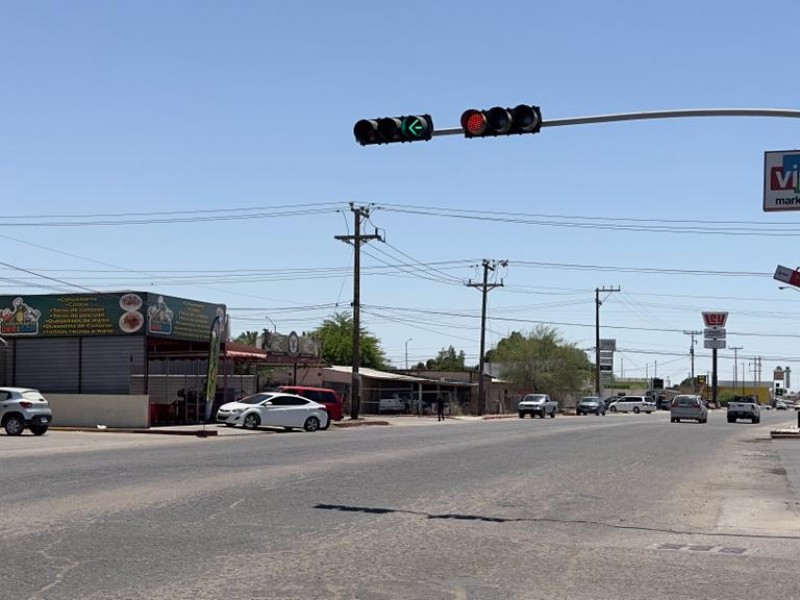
(408, 340)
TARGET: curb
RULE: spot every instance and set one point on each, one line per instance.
(784, 434)
(346, 424)
(193, 432)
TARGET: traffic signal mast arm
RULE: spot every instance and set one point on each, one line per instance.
(649, 115)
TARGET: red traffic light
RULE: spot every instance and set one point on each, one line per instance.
(501, 121)
(473, 122)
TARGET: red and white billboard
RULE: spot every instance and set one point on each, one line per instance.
(787, 275)
(715, 319)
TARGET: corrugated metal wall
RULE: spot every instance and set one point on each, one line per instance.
(47, 364)
(108, 363)
(89, 365)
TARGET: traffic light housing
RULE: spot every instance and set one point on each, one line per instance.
(658, 383)
(388, 130)
(501, 121)
(778, 389)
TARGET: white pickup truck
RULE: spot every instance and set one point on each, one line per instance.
(540, 405)
(744, 407)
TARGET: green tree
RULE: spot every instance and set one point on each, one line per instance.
(247, 337)
(335, 337)
(543, 362)
(447, 360)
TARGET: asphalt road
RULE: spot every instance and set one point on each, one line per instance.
(617, 507)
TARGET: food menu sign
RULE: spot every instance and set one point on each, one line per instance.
(181, 319)
(130, 313)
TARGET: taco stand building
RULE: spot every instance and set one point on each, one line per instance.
(123, 359)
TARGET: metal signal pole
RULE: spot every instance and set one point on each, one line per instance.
(485, 287)
(357, 239)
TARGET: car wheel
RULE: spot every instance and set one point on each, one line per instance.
(613, 409)
(522, 415)
(731, 420)
(311, 424)
(636, 410)
(251, 421)
(553, 414)
(14, 425)
(38, 429)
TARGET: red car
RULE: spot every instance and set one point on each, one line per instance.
(330, 398)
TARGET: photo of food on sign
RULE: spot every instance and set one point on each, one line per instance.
(130, 302)
(131, 321)
(160, 317)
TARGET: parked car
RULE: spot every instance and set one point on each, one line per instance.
(537, 405)
(591, 404)
(394, 404)
(24, 407)
(325, 396)
(781, 405)
(686, 406)
(635, 404)
(274, 409)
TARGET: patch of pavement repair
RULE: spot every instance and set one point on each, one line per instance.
(712, 549)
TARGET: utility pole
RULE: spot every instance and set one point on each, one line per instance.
(758, 371)
(735, 359)
(597, 304)
(356, 240)
(488, 265)
(691, 353)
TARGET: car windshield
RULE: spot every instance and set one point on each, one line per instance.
(589, 400)
(534, 398)
(32, 395)
(257, 398)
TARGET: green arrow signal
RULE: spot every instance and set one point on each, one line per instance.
(414, 128)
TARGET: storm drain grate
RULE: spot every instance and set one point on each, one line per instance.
(733, 550)
(704, 548)
(701, 548)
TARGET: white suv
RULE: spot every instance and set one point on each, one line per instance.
(24, 407)
(634, 404)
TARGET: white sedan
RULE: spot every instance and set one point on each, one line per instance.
(274, 410)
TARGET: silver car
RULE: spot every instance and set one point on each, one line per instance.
(591, 404)
(24, 407)
(688, 407)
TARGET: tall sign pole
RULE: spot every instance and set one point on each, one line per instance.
(714, 338)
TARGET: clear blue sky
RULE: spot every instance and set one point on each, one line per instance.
(144, 107)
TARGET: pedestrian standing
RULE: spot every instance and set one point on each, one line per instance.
(439, 408)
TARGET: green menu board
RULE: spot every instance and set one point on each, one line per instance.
(124, 313)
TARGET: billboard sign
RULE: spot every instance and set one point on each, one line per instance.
(782, 181)
(608, 345)
(715, 333)
(715, 319)
(122, 313)
(787, 275)
(714, 344)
